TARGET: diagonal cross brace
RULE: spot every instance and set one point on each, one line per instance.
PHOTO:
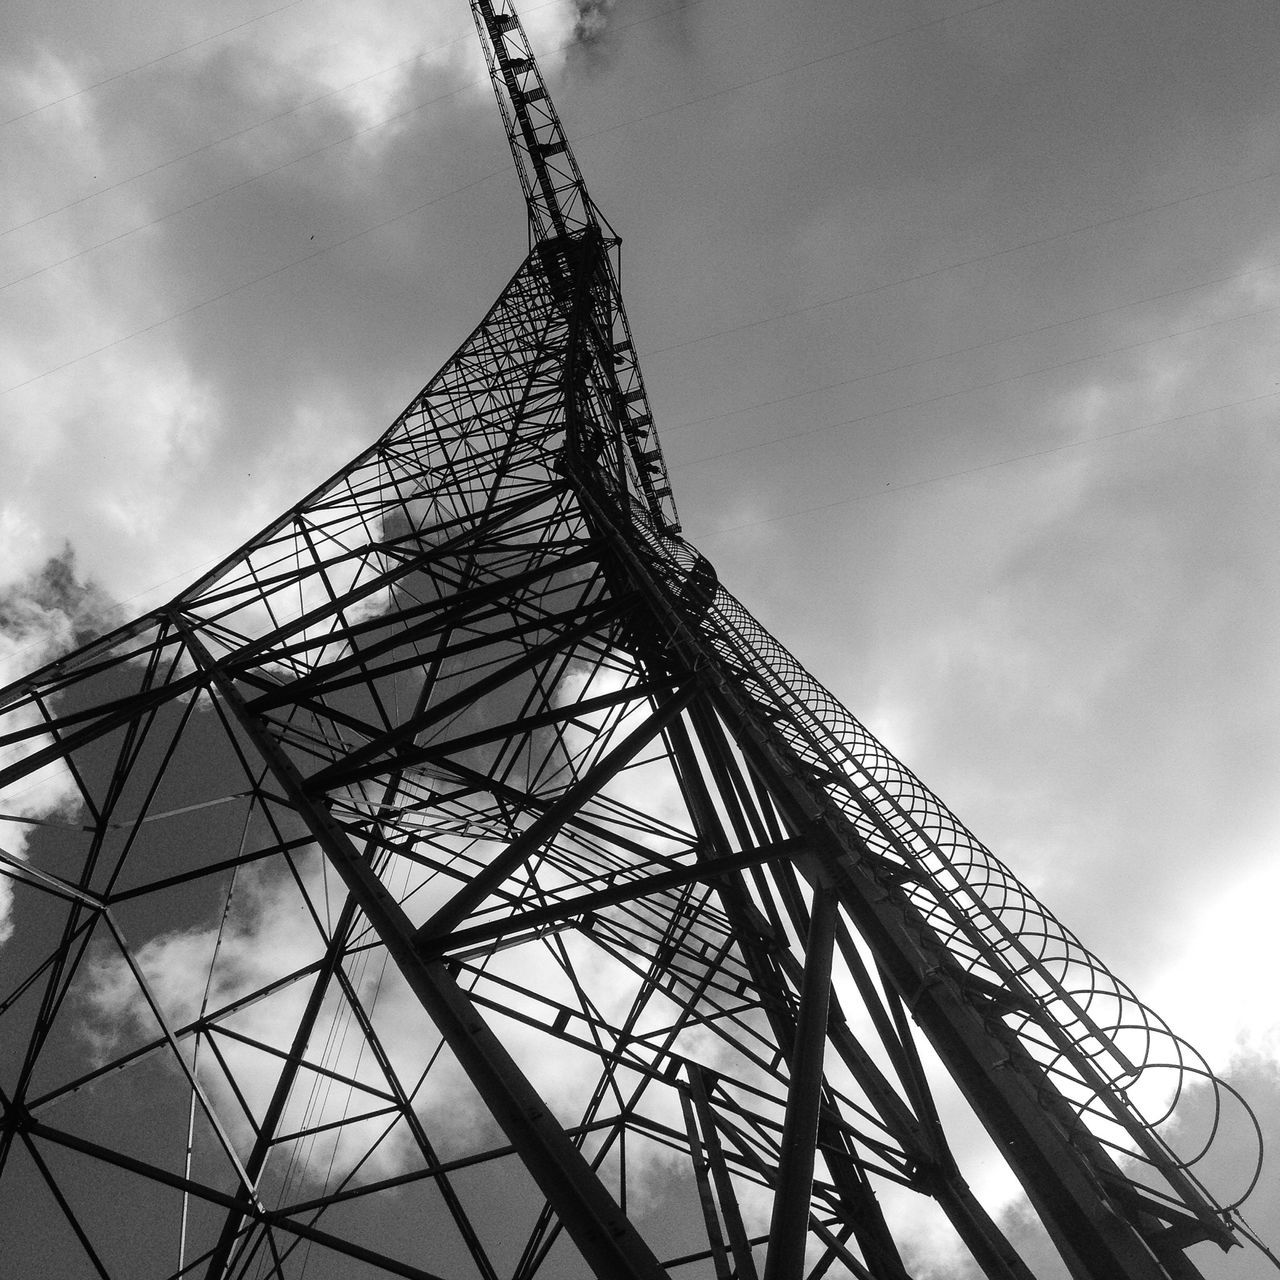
(602, 1233)
(543, 828)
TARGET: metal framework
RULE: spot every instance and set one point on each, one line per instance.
(458, 882)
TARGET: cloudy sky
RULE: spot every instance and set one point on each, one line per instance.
(960, 319)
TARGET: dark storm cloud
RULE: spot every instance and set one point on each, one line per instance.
(327, 202)
(54, 608)
(43, 614)
(591, 19)
(1077, 650)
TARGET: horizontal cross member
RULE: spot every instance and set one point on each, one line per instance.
(708, 871)
(188, 1186)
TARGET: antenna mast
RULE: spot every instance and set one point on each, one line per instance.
(458, 865)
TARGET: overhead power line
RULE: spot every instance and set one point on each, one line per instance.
(400, 115)
(986, 345)
(151, 62)
(891, 488)
(990, 256)
(984, 386)
(963, 262)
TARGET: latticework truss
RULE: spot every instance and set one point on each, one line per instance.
(458, 882)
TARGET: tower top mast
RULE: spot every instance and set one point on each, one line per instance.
(556, 196)
(561, 209)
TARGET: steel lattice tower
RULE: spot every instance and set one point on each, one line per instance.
(462, 883)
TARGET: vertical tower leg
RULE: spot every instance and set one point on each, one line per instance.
(789, 1228)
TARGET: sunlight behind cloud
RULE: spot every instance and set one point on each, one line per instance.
(1222, 983)
(268, 934)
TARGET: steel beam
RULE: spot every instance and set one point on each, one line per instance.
(789, 1225)
(602, 1233)
(1054, 1155)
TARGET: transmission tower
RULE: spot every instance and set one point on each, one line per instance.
(457, 881)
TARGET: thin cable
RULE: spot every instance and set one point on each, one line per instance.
(141, 66)
(186, 1166)
(240, 133)
(983, 386)
(230, 137)
(1253, 1238)
(195, 151)
(786, 71)
(969, 350)
(870, 291)
(235, 186)
(227, 293)
(987, 466)
(827, 302)
(411, 110)
(183, 575)
(195, 1054)
(986, 257)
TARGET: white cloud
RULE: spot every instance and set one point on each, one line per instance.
(150, 434)
(43, 614)
(1222, 981)
(268, 933)
(1072, 644)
